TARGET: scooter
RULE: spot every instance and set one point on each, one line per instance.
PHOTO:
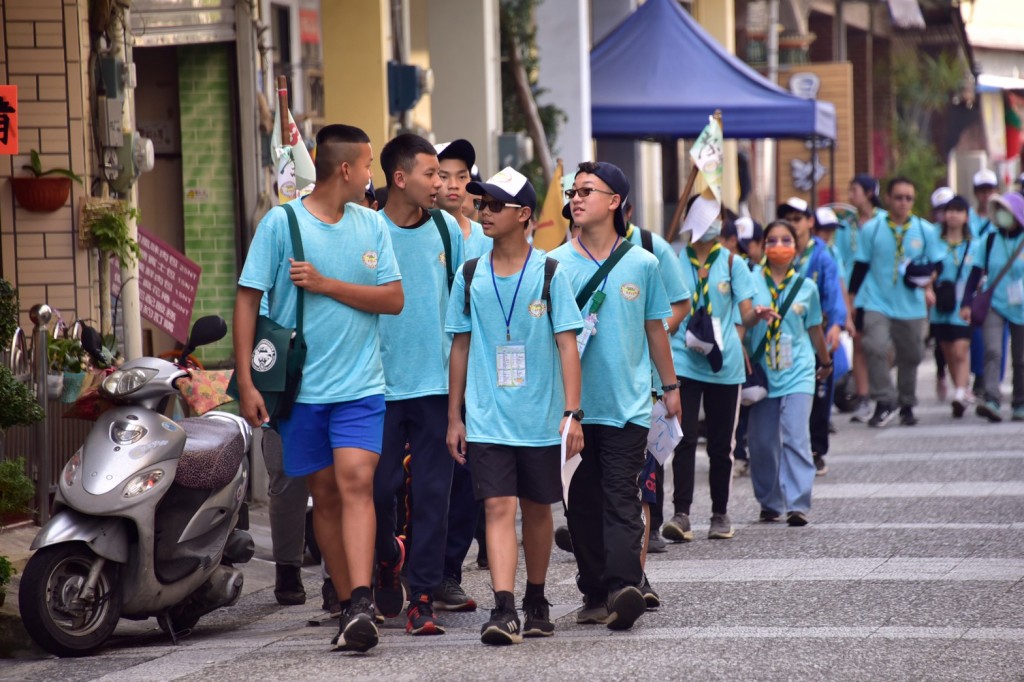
(149, 518)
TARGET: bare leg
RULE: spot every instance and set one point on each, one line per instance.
(502, 548)
(327, 526)
(647, 535)
(538, 530)
(354, 469)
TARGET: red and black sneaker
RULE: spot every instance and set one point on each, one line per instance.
(420, 617)
(388, 591)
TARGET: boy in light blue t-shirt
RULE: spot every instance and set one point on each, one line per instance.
(514, 346)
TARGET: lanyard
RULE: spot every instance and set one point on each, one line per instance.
(899, 232)
(954, 250)
(512, 308)
(774, 334)
(597, 262)
(703, 282)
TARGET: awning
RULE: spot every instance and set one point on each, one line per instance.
(992, 83)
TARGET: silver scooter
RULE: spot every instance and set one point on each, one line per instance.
(148, 519)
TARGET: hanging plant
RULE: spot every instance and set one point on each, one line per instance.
(106, 224)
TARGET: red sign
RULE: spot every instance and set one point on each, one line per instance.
(8, 119)
(309, 26)
(167, 286)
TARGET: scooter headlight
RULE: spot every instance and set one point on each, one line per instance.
(72, 469)
(125, 381)
(126, 433)
(143, 483)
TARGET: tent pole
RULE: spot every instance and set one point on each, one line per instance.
(673, 227)
(814, 172)
(832, 169)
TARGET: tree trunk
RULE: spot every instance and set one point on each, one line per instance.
(524, 96)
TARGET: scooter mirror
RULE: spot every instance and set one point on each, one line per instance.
(207, 330)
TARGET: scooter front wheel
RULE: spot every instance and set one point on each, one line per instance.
(52, 608)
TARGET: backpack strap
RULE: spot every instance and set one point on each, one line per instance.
(646, 240)
(988, 247)
(446, 239)
(550, 265)
(468, 268)
(296, 236)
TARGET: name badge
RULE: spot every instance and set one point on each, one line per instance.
(511, 359)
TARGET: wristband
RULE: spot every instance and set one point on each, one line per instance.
(670, 387)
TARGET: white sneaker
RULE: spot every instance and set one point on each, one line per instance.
(862, 414)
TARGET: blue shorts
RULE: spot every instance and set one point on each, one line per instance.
(649, 481)
(312, 432)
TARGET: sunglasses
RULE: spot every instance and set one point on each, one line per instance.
(585, 192)
(902, 197)
(493, 205)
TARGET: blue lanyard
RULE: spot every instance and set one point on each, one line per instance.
(512, 309)
(597, 262)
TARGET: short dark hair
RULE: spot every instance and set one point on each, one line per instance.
(334, 146)
(401, 152)
(778, 223)
(899, 180)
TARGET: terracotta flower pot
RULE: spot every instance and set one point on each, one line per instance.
(41, 195)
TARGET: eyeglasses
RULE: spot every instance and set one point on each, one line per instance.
(494, 205)
(902, 197)
(584, 192)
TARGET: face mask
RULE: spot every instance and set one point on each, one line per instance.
(1004, 219)
(780, 255)
(713, 232)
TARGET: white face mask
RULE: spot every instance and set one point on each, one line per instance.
(713, 231)
(1004, 219)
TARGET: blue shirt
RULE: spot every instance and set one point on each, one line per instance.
(727, 288)
(847, 239)
(527, 415)
(414, 344)
(1002, 248)
(803, 313)
(478, 243)
(883, 290)
(821, 269)
(617, 363)
(668, 264)
(980, 227)
(959, 260)
(343, 361)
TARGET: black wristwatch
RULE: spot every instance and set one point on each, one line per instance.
(669, 387)
(575, 414)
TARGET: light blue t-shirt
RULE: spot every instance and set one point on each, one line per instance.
(956, 256)
(847, 240)
(1002, 249)
(727, 288)
(883, 290)
(478, 243)
(414, 344)
(803, 313)
(668, 264)
(980, 227)
(617, 362)
(343, 361)
(526, 415)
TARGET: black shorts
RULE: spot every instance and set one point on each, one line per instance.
(950, 332)
(513, 471)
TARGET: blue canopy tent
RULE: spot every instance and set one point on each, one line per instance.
(658, 74)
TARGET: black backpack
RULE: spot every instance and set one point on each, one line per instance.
(550, 264)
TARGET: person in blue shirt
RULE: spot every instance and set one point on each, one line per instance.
(939, 198)
(991, 256)
(951, 333)
(334, 433)
(708, 359)
(816, 263)
(782, 469)
(514, 453)
(893, 250)
(456, 161)
(414, 351)
(863, 195)
(624, 329)
(985, 185)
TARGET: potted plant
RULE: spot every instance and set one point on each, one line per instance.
(105, 227)
(18, 406)
(67, 361)
(45, 191)
(7, 570)
(16, 490)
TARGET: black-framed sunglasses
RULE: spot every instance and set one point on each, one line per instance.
(585, 192)
(494, 205)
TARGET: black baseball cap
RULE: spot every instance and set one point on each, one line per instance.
(612, 176)
(457, 149)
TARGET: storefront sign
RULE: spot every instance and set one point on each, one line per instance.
(8, 119)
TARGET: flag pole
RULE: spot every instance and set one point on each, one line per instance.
(677, 216)
(282, 104)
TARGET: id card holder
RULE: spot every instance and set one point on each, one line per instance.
(589, 322)
(716, 325)
(785, 352)
(1015, 292)
(511, 360)
(903, 266)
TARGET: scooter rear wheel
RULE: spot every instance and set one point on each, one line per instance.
(48, 600)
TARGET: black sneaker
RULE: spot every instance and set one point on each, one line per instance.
(678, 529)
(502, 628)
(563, 540)
(655, 543)
(331, 602)
(907, 417)
(594, 611)
(884, 413)
(796, 519)
(625, 606)
(768, 516)
(537, 614)
(451, 597)
(357, 628)
(388, 591)
(420, 617)
(820, 468)
(651, 597)
(288, 589)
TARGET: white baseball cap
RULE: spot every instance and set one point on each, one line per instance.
(942, 195)
(826, 217)
(985, 178)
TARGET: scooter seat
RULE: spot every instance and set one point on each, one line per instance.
(213, 451)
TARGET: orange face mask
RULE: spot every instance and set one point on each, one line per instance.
(780, 255)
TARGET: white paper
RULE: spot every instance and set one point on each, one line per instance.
(665, 433)
(569, 466)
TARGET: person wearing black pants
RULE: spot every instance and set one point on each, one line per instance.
(821, 419)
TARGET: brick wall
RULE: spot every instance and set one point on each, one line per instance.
(209, 182)
(43, 50)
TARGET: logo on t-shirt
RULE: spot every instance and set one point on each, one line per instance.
(916, 244)
(537, 308)
(264, 356)
(441, 258)
(630, 292)
(798, 309)
(370, 259)
(724, 287)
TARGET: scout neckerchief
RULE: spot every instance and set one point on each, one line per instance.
(701, 290)
(804, 260)
(774, 334)
(899, 232)
(512, 308)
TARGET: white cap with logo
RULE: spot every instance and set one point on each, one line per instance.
(985, 178)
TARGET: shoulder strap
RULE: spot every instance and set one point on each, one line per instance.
(646, 240)
(1006, 268)
(759, 351)
(446, 239)
(293, 225)
(468, 268)
(988, 247)
(602, 272)
(550, 265)
(960, 267)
